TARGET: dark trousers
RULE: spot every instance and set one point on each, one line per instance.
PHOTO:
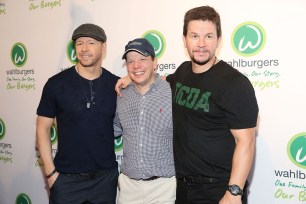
(202, 191)
(95, 187)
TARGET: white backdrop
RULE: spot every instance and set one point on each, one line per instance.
(34, 45)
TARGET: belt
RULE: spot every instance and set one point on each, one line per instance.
(151, 178)
(198, 179)
(148, 179)
(87, 175)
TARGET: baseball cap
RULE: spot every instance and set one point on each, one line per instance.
(140, 45)
(89, 30)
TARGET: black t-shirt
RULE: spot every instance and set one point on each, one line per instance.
(85, 135)
(205, 107)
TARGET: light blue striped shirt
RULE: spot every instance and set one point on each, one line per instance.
(145, 123)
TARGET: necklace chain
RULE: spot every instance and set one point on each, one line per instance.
(90, 101)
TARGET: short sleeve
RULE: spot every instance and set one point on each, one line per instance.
(47, 104)
(240, 103)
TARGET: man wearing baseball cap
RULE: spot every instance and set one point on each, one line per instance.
(82, 100)
(144, 119)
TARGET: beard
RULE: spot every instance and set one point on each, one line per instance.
(89, 62)
(200, 62)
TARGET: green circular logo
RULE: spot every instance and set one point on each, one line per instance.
(23, 199)
(248, 39)
(118, 143)
(71, 53)
(19, 54)
(157, 40)
(53, 135)
(296, 151)
(2, 129)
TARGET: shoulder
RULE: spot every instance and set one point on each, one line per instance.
(62, 76)
(232, 81)
(109, 75)
(228, 73)
(126, 94)
(109, 78)
(162, 88)
(162, 83)
(185, 65)
(180, 71)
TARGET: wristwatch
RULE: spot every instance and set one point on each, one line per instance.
(234, 190)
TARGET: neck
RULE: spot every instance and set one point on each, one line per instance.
(196, 68)
(143, 89)
(89, 73)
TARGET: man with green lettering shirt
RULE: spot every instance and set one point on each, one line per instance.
(214, 118)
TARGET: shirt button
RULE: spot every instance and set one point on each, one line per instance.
(141, 160)
(141, 112)
(143, 97)
(140, 145)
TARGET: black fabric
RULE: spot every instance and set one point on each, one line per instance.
(203, 192)
(100, 187)
(85, 136)
(205, 107)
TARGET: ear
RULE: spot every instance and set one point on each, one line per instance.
(104, 46)
(219, 40)
(184, 40)
(155, 65)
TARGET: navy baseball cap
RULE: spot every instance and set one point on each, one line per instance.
(140, 45)
(89, 30)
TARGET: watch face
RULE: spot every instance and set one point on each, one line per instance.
(235, 190)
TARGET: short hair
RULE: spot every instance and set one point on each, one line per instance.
(204, 13)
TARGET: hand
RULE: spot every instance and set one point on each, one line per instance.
(52, 179)
(122, 83)
(228, 198)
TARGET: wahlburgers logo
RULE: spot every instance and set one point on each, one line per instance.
(296, 150)
(118, 143)
(157, 40)
(71, 53)
(23, 199)
(53, 135)
(248, 39)
(19, 54)
(2, 129)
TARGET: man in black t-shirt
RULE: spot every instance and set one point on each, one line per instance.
(83, 102)
(214, 118)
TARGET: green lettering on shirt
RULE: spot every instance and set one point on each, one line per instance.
(191, 98)
(203, 102)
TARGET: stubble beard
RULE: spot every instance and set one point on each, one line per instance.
(90, 63)
(200, 62)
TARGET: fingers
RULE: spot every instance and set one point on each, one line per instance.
(118, 86)
(122, 84)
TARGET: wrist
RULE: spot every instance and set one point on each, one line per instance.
(51, 174)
